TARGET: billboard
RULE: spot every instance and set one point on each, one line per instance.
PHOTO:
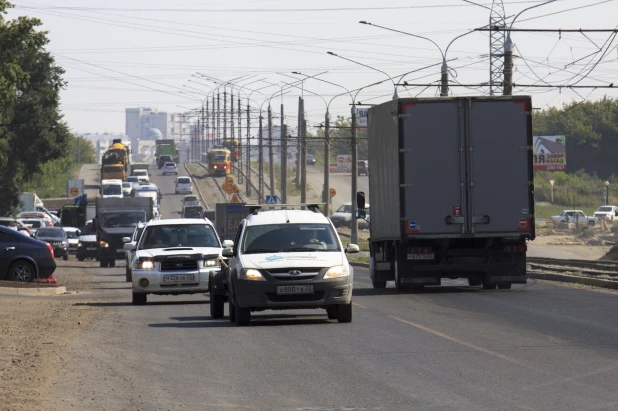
(549, 153)
(361, 117)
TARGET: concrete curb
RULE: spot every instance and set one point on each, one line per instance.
(594, 282)
(364, 265)
(33, 292)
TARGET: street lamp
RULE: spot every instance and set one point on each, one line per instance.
(606, 192)
(551, 182)
(372, 68)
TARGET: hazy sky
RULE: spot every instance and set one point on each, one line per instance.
(135, 53)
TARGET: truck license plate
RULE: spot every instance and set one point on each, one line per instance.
(421, 256)
(120, 250)
(294, 289)
(179, 278)
(91, 248)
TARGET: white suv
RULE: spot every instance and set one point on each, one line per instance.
(174, 256)
(285, 259)
(184, 185)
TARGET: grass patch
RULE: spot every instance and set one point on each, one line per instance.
(358, 258)
(51, 182)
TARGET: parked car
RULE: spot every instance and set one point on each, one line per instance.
(18, 224)
(170, 168)
(38, 215)
(311, 159)
(574, 216)
(23, 258)
(73, 236)
(609, 212)
(363, 167)
(87, 247)
(57, 238)
(285, 259)
(130, 254)
(127, 188)
(190, 200)
(183, 185)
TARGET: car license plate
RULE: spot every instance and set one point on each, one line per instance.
(179, 278)
(91, 248)
(294, 289)
(120, 250)
(421, 256)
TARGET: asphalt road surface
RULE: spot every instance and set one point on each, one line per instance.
(341, 182)
(536, 347)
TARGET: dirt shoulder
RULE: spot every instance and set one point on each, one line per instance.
(572, 244)
(34, 335)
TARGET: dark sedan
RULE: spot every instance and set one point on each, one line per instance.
(23, 258)
(311, 159)
(57, 238)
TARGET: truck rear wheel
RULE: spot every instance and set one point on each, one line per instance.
(377, 284)
(504, 286)
(111, 263)
(489, 286)
(398, 286)
(474, 282)
(102, 263)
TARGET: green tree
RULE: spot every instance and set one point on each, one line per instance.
(32, 132)
(341, 138)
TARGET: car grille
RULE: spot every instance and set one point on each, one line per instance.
(317, 296)
(175, 265)
(57, 243)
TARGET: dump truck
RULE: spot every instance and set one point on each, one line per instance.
(166, 147)
(454, 195)
(115, 219)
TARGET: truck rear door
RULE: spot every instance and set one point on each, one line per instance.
(432, 175)
(499, 180)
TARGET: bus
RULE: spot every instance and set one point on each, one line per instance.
(219, 162)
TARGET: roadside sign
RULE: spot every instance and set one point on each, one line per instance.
(332, 192)
(271, 200)
(75, 188)
(229, 180)
(361, 117)
(235, 199)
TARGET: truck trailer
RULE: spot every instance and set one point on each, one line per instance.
(115, 219)
(452, 192)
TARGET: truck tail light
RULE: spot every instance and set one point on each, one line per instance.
(515, 248)
(51, 250)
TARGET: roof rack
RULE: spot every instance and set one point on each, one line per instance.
(255, 208)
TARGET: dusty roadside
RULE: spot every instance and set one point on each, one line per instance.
(35, 333)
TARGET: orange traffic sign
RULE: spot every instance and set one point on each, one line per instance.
(235, 199)
(74, 191)
(332, 192)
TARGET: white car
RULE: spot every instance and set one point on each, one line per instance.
(170, 168)
(130, 254)
(190, 200)
(574, 216)
(127, 188)
(184, 185)
(285, 259)
(141, 174)
(73, 234)
(609, 213)
(174, 256)
(134, 180)
(343, 216)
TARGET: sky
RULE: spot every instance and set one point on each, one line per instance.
(167, 55)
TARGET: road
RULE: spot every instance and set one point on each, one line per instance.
(538, 346)
(341, 182)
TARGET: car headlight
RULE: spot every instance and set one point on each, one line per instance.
(144, 265)
(80, 245)
(337, 271)
(210, 263)
(103, 244)
(251, 274)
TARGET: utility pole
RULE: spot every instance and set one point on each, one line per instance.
(239, 147)
(297, 180)
(443, 86)
(261, 163)
(284, 160)
(232, 130)
(224, 115)
(213, 135)
(202, 134)
(303, 158)
(508, 67)
(271, 153)
(78, 153)
(326, 190)
(218, 117)
(248, 172)
(354, 232)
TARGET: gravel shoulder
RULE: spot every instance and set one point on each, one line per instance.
(35, 335)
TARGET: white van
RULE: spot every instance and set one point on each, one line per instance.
(141, 174)
(111, 188)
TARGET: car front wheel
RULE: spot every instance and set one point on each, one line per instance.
(344, 313)
(139, 298)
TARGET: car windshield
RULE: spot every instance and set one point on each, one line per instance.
(127, 219)
(289, 237)
(345, 209)
(33, 223)
(112, 189)
(127, 185)
(605, 209)
(132, 179)
(138, 234)
(51, 232)
(184, 180)
(146, 194)
(71, 234)
(190, 198)
(140, 173)
(179, 235)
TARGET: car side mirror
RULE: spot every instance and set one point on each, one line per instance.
(352, 249)
(129, 246)
(360, 200)
(78, 233)
(227, 252)
(228, 244)
(126, 239)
